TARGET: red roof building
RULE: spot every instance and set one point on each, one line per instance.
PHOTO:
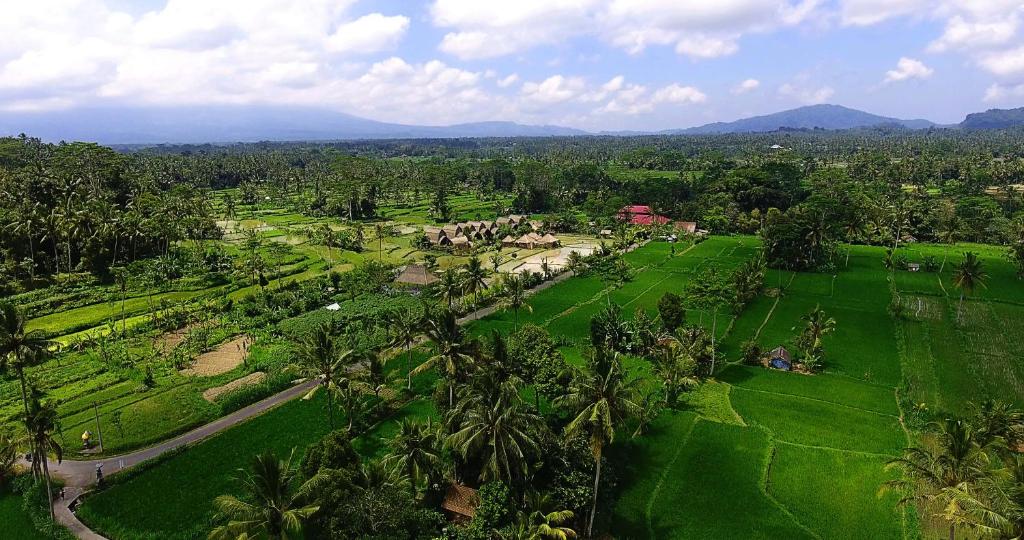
(641, 215)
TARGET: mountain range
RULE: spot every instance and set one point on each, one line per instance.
(228, 124)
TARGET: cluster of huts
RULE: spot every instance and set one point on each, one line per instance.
(460, 236)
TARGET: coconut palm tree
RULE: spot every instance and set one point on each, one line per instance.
(574, 262)
(19, 350)
(495, 429)
(969, 275)
(350, 398)
(475, 275)
(938, 476)
(8, 456)
(550, 526)
(319, 355)
(452, 351)
(496, 261)
(450, 286)
(380, 231)
(275, 505)
(998, 422)
(602, 400)
(42, 423)
(515, 296)
(995, 507)
(817, 326)
(415, 451)
(405, 327)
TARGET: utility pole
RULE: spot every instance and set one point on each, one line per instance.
(99, 432)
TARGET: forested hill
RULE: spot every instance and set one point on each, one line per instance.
(994, 119)
(833, 117)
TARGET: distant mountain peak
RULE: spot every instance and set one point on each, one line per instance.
(822, 116)
(994, 119)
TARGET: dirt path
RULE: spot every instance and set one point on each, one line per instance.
(212, 394)
(223, 359)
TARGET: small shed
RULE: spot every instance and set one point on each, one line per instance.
(914, 267)
(416, 274)
(607, 233)
(549, 240)
(689, 227)
(460, 503)
(508, 241)
(334, 307)
(779, 358)
(461, 243)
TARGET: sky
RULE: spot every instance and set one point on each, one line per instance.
(589, 64)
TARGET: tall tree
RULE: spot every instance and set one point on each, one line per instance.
(969, 275)
(515, 295)
(496, 429)
(937, 476)
(42, 424)
(19, 350)
(601, 400)
(319, 355)
(276, 505)
(415, 450)
(452, 352)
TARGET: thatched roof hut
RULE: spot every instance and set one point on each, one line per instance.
(460, 503)
(416, 274)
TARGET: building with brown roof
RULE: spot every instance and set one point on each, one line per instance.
(416, 274)
(460, 503)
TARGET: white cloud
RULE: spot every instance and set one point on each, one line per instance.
(554, 89)
(806, 95)
(186, 51)
(997, 92)
(694, 28)
(908, 68)
(988, 32)
(369, 33)
(748, 85)
(675, 93)
(505, 82)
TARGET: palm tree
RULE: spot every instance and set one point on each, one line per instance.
(380, 231)
(275, 506)
(998, 422)
(940, 475)
(496, 261)
(414, 450)
(549, 526)
(405, 329)
(19, 350)
(452, 352)
(495, 428)
(450, 286)
(42, 423)
(320, 356)
(515, 295)
(817, 326)
(350, 397)
(968, 276)
(996, 506)
(601, 403)
(475, 275)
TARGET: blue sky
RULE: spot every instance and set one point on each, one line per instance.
(593, 64)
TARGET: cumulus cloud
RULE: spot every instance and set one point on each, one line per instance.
(998, 92)
(505, 82)
(748, 85)
(694, 28)
(806, 95)
(186, 51)
(908, 68)
(675, 93)
(987, 32)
